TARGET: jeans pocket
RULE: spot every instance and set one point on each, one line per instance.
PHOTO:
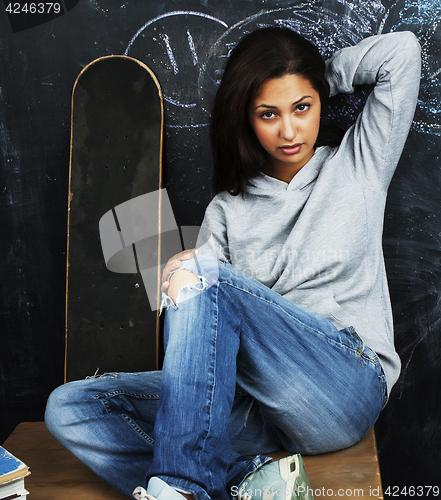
(367, 354)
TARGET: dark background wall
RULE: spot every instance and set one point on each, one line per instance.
(185, 43)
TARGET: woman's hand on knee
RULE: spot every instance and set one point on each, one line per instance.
(175, 263)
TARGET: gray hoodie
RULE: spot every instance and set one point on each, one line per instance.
(317, 241)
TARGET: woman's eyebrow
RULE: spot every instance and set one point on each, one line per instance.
(302, 99)
(265, 106)
(274, 107)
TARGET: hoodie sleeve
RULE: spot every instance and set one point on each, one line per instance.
(392, 63)
(213, 239)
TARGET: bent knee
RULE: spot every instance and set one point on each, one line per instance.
(61, 407)
(56, 403)
(178, 281)
(192, 278)
(54, 412)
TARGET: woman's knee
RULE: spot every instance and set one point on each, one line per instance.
(202, 266)
(179, 280)
(193, 276)
(60, 406)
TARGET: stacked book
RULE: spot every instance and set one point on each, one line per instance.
(12, 474)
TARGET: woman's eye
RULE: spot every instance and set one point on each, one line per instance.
(267, 114)
(302, 107)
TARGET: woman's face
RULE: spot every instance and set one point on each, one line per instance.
(285, 117)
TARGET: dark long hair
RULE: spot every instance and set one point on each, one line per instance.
(261, 55)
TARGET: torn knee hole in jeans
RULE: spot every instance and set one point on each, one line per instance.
(198, 286)
(104, 375)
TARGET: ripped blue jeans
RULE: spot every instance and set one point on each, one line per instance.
(245, 373)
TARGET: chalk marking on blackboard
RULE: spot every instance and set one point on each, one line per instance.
(229, 30)
(419, 12)
(294, 9)
(177, 103)
(434, 75)
(383, 22)
(426, 128)
(100, 9)
(197, 125)
(170, 51)
(192, 48)
(423, 17)
(413, 350)
(427, 37)
(173, 62)
(169, 14)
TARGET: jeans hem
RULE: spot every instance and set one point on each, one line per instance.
(250, 467)
(185, 485)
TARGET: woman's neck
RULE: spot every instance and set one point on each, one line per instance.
(284, 171)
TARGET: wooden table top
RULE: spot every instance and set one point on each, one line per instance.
(56, 474)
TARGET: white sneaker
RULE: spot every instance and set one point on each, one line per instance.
(157, 489)
(285, 479)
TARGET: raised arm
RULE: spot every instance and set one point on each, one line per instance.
(392, 62)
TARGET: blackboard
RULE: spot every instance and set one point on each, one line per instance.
(186, 43)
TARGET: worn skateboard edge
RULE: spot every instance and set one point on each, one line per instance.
(70, 194)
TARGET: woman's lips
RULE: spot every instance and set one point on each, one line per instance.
(291, 150)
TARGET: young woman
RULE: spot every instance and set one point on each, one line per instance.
(278, 330)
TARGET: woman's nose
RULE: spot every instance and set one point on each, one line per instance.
(287, 129)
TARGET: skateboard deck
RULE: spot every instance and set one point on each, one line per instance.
(116, 156)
